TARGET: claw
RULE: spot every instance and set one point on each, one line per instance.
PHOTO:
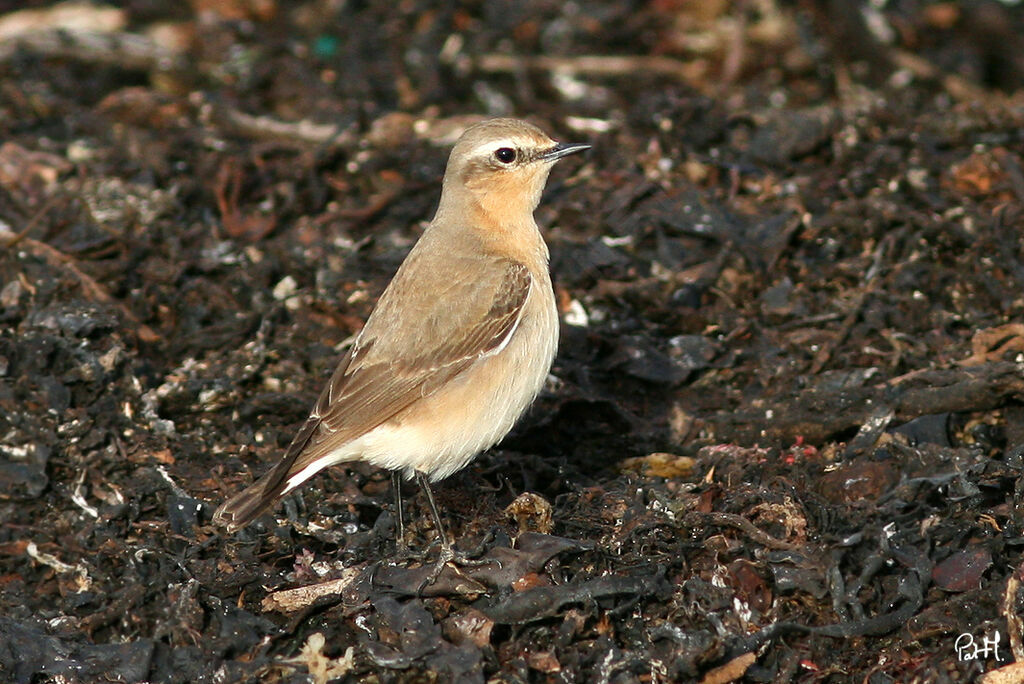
(372, 579)
(457, 559)
(447, 554)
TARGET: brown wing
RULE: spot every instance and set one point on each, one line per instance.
(401, 355)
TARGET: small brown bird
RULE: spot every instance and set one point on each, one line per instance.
(458, 345)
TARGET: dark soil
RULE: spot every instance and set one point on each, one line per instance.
(783, 438)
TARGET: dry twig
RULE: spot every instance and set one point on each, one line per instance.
(90, 288)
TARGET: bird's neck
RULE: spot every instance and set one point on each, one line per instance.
(499, 228)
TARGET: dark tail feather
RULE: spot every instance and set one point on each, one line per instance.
(247, 505)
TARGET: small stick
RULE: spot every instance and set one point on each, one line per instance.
(92, 289)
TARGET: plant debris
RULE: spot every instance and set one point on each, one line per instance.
(782, 440)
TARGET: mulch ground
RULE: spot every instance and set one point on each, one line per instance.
(783, 438)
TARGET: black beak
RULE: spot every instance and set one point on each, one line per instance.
(563, 149)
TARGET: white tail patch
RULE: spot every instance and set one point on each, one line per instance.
(306, 473)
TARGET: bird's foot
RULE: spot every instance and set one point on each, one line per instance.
(405, 553)
(456, 558)
(472, 557)
(448, 554)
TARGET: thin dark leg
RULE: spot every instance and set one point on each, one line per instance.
(396, 488)
(448, 554)
(441, 534)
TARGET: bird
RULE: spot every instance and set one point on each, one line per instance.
(458, 345)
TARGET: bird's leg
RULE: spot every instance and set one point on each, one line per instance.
(446, 548)
(401, 548)
(448, 554)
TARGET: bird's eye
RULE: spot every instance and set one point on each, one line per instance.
(506, 155)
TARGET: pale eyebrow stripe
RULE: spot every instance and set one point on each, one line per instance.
(491, 145)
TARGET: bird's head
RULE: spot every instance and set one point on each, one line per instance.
(501, 166)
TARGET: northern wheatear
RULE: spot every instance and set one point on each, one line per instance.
(459, 343)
